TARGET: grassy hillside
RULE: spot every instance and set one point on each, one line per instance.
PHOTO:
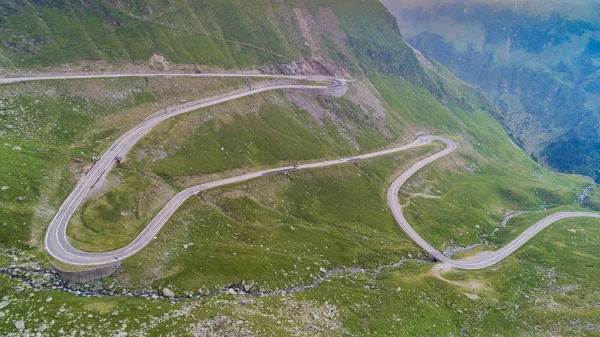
(326, 234)
(225, 34)
(537, 62)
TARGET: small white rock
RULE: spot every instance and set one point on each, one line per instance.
(20, 325)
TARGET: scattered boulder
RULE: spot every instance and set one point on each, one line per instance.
(249, 286)
(20, 325)
(4, 188)
(3, 305)
(168, 292)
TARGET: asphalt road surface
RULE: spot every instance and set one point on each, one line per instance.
(57, 243)
(25, 77)
(472, 264)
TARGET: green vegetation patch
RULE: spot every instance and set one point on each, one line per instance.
(277, 231)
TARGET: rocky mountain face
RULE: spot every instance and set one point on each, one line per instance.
(225, 34)
(539, 62)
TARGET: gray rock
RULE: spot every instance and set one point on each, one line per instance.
(249, 286)
(20, 325)
(168, 292)
(18, 289)
(3, 304)
(42, 327)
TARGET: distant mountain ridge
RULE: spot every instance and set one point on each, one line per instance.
(539, 64)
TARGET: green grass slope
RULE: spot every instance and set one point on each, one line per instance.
(280, 232)
(224, 34)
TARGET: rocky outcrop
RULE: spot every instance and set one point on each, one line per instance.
(305, 66)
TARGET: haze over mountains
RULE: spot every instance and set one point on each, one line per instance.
(301, 249)
(539, 61)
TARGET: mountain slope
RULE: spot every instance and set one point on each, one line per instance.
(278, 233)
(538, 62)
(35, 34)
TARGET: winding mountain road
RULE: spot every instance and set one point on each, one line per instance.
(480, 262)
(57, 243)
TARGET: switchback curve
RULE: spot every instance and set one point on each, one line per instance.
(58, 246)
